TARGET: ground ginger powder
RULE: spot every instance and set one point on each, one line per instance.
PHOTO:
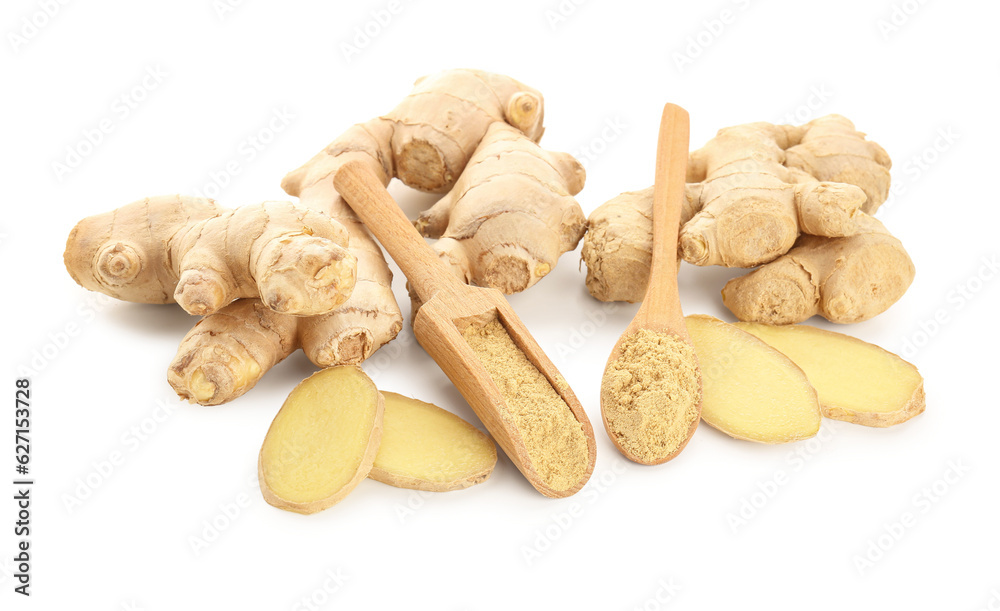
(551, 433)
(650, 395)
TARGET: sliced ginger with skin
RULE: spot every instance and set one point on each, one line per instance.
(427, 448)
(856, 381)
(323, 441)
(750, 390)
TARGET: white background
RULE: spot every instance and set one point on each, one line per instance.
(636, 537)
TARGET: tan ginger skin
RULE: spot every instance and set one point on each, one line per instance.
(188, 250)
(759, 187)
(227, 353)
(426, 141)
(845, 280)
(510, 215)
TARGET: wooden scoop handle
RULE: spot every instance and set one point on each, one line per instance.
(366, 194)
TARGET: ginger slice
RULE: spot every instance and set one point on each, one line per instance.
(427, 448)
(856, 381)
(750, 390)
(323, 440)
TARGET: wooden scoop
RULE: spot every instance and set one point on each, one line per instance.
(449, 307)
(660, 311)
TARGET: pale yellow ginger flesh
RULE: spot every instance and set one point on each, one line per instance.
(552, 436)
(750, 390)
(323, 441)
(856, 381)
(187, 249)
(427, 448)
(651, 396)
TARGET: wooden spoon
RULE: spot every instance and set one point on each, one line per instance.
(660, 311)
(449, 307)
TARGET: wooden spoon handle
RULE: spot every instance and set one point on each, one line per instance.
(668, 198)
(365, 193)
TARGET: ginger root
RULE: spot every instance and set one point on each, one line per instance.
(427, 448)
(856, 381)
(759, 188)
(510, 215)
(227, 353)
(618, 246)
(323, 441)
(752, 206)
(845, 280)
(426, 142)
(188, 250)
(750, 390)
